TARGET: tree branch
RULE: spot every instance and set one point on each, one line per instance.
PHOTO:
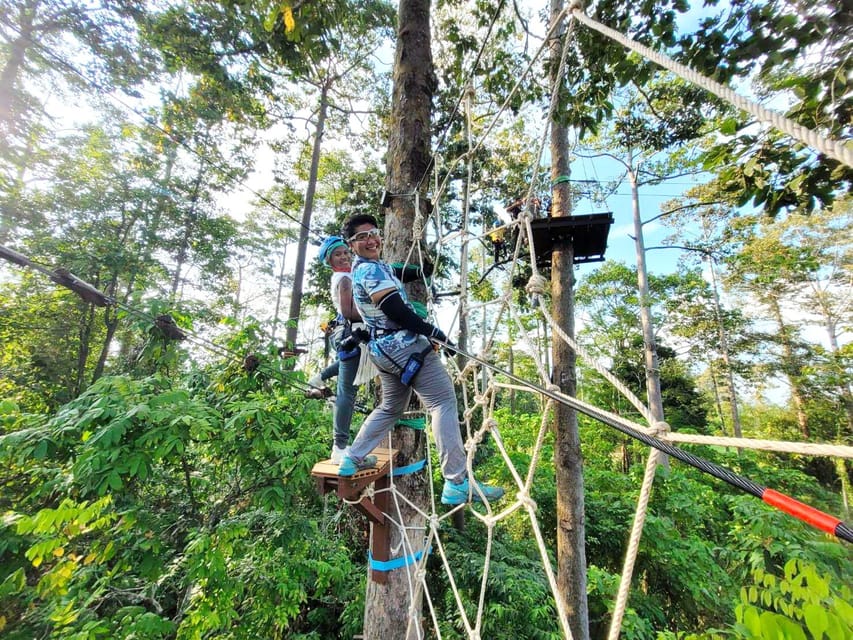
(686, 206)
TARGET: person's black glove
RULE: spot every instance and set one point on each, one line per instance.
(438, 334)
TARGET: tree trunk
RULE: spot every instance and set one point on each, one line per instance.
(650, 352)
(724, 352)
(386, 615)
(296, 295)
(111, 323)
(791, 368)
(571, 553)
(830, 322)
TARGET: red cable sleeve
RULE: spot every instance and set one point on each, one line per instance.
(804, 512)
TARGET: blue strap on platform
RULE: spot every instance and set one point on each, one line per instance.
(411, 468)
(396, 563)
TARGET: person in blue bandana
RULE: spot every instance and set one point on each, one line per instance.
(335, 253)
(401, 349)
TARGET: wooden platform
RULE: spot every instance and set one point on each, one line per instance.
(587, 234)
(350, 488)
(326, 472)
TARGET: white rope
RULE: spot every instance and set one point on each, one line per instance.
(503, 106)
(655, 457)
(601, 369)
(835, 149)
(804, 448)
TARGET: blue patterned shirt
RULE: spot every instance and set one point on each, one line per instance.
(369, 277)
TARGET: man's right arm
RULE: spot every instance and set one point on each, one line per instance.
(392, 305)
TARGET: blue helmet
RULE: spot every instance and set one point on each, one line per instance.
(330, 244)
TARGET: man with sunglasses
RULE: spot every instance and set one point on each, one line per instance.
(400, 347)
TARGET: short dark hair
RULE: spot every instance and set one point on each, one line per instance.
(348, 230)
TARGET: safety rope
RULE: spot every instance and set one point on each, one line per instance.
(836, 149)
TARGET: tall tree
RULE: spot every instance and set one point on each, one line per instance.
(387, 608)
(770, 272)
(339, 78)
(36, 61)
(571, 523)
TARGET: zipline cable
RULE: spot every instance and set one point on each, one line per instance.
(92, 295)
(791, 506)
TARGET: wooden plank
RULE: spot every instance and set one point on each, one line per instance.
(327, 468)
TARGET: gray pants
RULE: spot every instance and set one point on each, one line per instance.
(435, 390)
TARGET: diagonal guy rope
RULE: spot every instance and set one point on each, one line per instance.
(835, 149)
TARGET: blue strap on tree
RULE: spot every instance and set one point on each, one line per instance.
(396, 563)
(409, 468)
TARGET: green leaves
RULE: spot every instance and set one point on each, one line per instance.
(172, 490)
(800, 604)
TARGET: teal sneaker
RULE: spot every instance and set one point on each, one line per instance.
(350, 466)
(458, 493)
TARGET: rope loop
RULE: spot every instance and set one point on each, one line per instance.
(476, 438)
(469, 367)
(554, 388)
(434, 522)
(489, 424)
(574, 5)
(525, 499)
(661, 427)
(536, 284)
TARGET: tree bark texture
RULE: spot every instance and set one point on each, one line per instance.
(571, 553)
(387, 608)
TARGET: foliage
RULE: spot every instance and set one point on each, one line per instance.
(516, 582)
(175, 502)
(168, 510)
(799, 603)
